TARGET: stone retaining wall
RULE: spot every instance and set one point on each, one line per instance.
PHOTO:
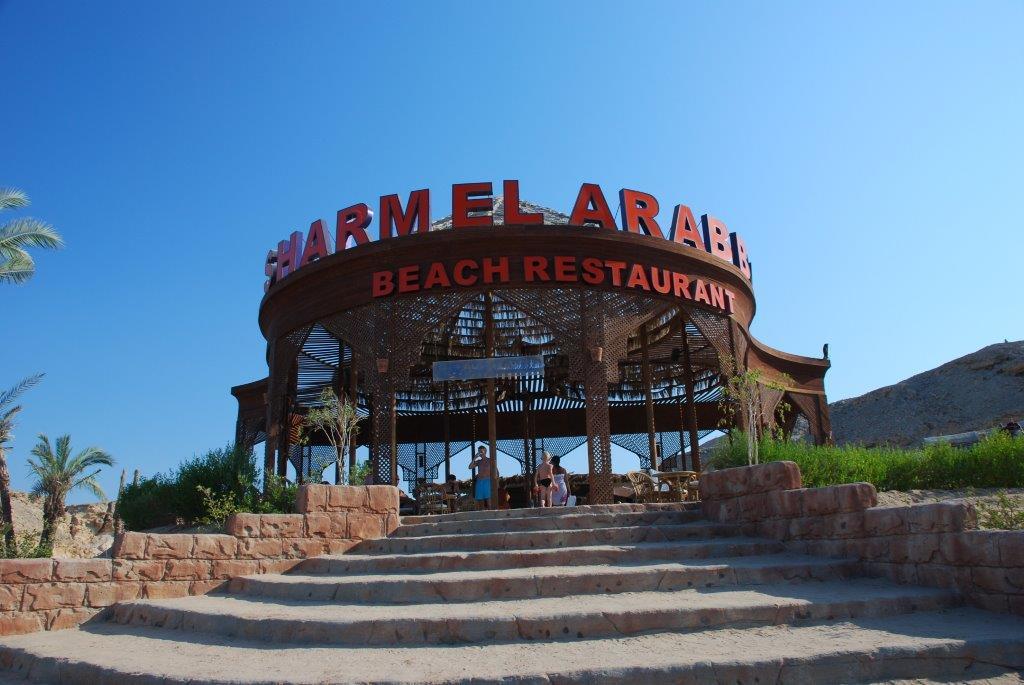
(49, 594)
(929, 544)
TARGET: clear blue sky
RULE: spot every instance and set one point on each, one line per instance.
(870, 153)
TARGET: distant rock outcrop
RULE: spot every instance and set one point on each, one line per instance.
(980, 390)
(86, 531)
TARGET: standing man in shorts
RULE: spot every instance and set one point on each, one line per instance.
(481, 465)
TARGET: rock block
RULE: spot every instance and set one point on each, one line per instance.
(168, 589)
(259, 548)
(776, 475)
(318, 525)
(11, 597)
(213, 546)
(754, 507)
(282, 526)
(99, 595)
(21, 622)
(363, 526)
(130, 569)
(786, 504)
(83, 570)
(302, 548)
(188, 569)
(847, 525)
(820, 501)
(725, 484)
(42, 596)
(1011, 548)
(347, 497)
(971, 548)
(382, 499)
(225, 569)
(941, 517)
(129, 546)
(169, 546)
(26, 570)
(391, 524)
(311, 497)
(885, 521)
(60, 619)
(855, 497)
(202, 587)
(243, 525)
(278, 565)
(341, 546)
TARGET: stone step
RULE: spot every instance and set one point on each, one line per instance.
(945, 645)
(545, 618)
(533, 512)
(625, 535)
(515, 558)
(554, 581)
(573, 521)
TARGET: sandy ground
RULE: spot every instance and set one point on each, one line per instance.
(980, 497)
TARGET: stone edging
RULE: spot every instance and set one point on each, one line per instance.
(934, 544)
(49, 594)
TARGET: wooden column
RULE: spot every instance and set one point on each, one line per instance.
(393, 400)
(492, 428)
(353, 396)
(284, 431)
(447, 437)
(691, 405)
(527, 456)
(645, 367)
(339, 392)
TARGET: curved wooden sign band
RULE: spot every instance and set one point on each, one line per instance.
(508, 257)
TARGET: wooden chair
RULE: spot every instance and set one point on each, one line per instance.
(646, 490)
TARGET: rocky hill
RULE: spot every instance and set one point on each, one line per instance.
(86, 531)
(980, 390)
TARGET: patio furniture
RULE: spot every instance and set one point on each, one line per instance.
(646, 490)
(681, 484)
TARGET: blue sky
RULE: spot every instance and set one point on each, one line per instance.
(870, 153)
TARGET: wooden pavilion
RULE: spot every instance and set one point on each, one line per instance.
(639, 367)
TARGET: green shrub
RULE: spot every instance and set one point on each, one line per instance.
(204, 490)
(1004, 514)
(995, 462)
(26, 546)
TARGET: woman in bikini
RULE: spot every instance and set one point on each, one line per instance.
(561, 482)
(542, 480)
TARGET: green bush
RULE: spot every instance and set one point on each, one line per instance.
(1004, 514)
(995, 462)
(26, 546)
(204, 490)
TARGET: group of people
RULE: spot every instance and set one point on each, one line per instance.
(551, 484)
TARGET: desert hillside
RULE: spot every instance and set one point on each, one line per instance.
(980, 390)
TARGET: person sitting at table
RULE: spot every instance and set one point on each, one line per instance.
(560, 478)
(542, 479)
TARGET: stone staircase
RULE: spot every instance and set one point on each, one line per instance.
(610, 594)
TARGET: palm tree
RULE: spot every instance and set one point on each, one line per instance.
(57, 473)
(7, 414)
(16, 265)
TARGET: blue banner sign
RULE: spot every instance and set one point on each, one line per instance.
(489, 367)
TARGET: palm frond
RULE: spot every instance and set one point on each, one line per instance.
(17, 270)
(27, 232)
(12, 198)
(21, 386)
(63, 452)
(42, 450)
(89, 483)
